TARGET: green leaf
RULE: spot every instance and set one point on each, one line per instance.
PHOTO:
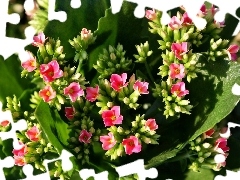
(86, 16)
(62, 128)
(122, 28)
(11, 81)
(211, 95)
(47, 123)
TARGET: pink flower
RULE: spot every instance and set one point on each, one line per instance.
(131, 145)
(203, 11)
(74, 91)
(151, 124)
(208, 133)
(86, 34)
(19, 160)
(111, 117)
(179, 89)
(175, 23)
(232, 52)
(118, 82)
(21, 151)
(50, 71)
(47, 93)
(177, 71)
(179, 49)
(30, 62)
(39, 40)
(219, 24)
(221, 145)
(69, 112)
(141, 87)
(92, 93)
(151, 14)
(33, 133)
(108, 141)
(85, 136)
(4, 123)
(186, 19)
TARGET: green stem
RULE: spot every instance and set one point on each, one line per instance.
(180, 157)
(149, 71)
(79, 68)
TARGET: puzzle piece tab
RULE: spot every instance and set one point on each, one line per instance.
(8, 162)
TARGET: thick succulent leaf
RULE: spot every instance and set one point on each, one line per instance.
(47, 123)
(122, 28)
(11, 81)
(86, 16)
(212, 98)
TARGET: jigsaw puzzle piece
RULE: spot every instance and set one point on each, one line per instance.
(8, 162)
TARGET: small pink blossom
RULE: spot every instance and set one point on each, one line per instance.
(29, 62)
(132, 145)
(219, 24)
(108, 141)
(69, 112)
(19, 160)
(118, 82)
(177, 71)
(85, 136)
(221, 145)
(141, 87)
(175, 23)
(151, 124)
(74, 91)
(86, 34)
(47, 94)
(179, 49)
(92, 93)
(50, 71)
(39, 40)
(203, 11)
(33, 134)
(151, 14)
(111, 117)
(4, 123)
(21, 151)
(208, 133)
(179, 89)
(232, 52)
(186, 19)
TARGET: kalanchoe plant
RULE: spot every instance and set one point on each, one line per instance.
(112, 96)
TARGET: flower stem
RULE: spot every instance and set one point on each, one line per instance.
(149, 71)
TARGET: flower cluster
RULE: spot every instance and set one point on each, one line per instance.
(180, 63)
(211, 149)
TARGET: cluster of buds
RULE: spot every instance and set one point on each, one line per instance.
(81, 43)
(143, 52)
(179, 61)
(118, 89)
(209, 150)
(121, 141)
(82, 138)
(112, 61)
(83, 135)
